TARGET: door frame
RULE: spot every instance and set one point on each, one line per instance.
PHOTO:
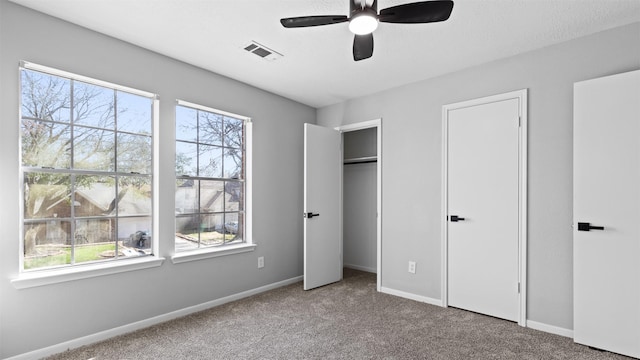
(521, 95)
(376, 123)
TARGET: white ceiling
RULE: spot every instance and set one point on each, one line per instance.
(317, 67)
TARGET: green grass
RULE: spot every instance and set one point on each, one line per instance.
(82, 254)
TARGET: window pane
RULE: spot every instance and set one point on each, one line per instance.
(210, 161)
(47, 243)
(93, 149)
(233, 132)
(47, 195)
(233, 195)
(93, 105)
(186, 159)
(134, 195)
(135, 233)
(211, 196)
(187, 196)
(134, 153)
(79, 216)
(95, 231)
(219, 154)
(94, 196)
(210, 126)
(134, 113)
(233, 164)
(233, 225)
(187, 230)
(212, 229)
(46, 144)
(94, 240)
(186, 124)
(45, 96)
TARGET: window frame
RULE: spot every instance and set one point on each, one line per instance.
(67, 272)
(233, 248)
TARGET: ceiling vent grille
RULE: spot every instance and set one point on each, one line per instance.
(262, 51)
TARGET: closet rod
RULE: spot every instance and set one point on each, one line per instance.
(362, 160)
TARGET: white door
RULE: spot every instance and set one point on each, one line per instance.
(606, 183)
(322, 212)
(483, 208)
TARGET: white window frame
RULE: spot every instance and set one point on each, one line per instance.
(46, 276)
(247, 245)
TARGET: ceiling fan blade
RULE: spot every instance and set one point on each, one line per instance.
(418, 12)
(362, 47)
(305, 21)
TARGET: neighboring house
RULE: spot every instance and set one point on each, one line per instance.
(215, 197)
(98, 200)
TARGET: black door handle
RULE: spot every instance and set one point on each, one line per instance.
(455, 218)
(585, 226)
(309, 215)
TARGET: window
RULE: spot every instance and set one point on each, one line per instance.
(86, 169)
(211, 173)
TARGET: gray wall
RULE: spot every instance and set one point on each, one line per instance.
(38, 317)
(411, 118)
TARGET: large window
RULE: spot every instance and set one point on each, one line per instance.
(86, 169)
(211, 175)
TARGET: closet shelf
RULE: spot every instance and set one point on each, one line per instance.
(361, 160)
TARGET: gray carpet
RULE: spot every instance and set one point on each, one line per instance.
(346, 320)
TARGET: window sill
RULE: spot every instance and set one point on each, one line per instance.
(207, 253)
(48, 277)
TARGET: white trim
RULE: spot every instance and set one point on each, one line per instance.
(69, 75)
(107, 334)
(376, 123)
(210, 109)
(248, 183)
(361, 268)
(207, 253)
(410, 296)
(521, 95)
(523, 189)
(47, 277)
(550, 329)
(360, 126)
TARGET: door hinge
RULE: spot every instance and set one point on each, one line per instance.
(519, 121)
(518, 288)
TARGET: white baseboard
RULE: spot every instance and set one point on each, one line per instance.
(107, 334)
(550, 329)
(411, 296)
(361, 268)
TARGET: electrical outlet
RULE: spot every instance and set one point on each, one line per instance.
(412, 267)
(260, 262)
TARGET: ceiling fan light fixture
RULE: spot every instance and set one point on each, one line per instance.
(363, 23)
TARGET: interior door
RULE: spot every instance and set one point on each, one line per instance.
(483, 208)
(322, 210)
(606, 210)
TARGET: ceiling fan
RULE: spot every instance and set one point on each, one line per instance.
(363, 20)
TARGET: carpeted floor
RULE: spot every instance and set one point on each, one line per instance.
(346, 320)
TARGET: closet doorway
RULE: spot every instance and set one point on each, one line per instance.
(324, 201)
(361, 194)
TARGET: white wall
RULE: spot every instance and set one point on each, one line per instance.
(39, 317)
(412, 161)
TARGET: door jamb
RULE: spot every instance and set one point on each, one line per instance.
(521, 95)
(377, 123)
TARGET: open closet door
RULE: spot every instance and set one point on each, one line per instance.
(322, 210)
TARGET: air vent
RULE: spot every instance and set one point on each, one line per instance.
(262, 51)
